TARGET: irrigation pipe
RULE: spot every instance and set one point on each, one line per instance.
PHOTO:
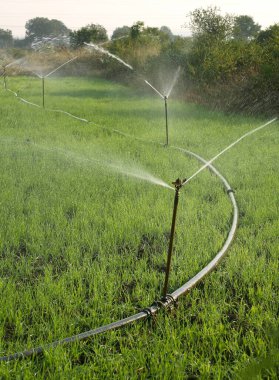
(48, 109)
(170, 298)
(157, 305)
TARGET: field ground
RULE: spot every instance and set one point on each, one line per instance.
(83, 244)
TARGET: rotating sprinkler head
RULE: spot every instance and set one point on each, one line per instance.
(178, 183)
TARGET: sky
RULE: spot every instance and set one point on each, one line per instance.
(116, 13)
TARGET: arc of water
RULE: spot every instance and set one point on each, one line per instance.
(59, 67)
(229, 147)
(138, 173)
(38, 75)
(155, 89)
(104, 51)
(176, 75)
(15, 62)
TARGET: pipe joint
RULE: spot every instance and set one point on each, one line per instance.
(169, 301)
(147, 311)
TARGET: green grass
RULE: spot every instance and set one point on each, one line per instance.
(82, 245)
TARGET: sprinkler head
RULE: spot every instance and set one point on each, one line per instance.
(178, 183)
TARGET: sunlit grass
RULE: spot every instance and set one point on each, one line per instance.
(82, 245)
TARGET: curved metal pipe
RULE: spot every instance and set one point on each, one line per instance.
(153, 309)
(213, 263)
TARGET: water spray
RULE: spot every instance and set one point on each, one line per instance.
(165, 97)
(49, 74)
(104, 51)
(178, 185)
(59, 67)
(208, 163)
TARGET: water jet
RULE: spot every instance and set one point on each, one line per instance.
(165, 97)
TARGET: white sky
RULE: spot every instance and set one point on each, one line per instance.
(115, 13)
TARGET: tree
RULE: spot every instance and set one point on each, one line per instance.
(245, 28)
(6, 39)
(39, 27)
(89, 33)
(270, 36)
(208, 22)
(211, 34)
(136, 29)
(121, 32)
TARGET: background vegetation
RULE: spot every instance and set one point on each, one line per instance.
(229, 62)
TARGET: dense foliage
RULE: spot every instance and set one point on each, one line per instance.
(39, 27)
(6, 39)
(89, 33)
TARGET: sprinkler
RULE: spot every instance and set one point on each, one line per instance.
(166, 114)
(177, 184)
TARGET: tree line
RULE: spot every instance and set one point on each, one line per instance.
(229, 62)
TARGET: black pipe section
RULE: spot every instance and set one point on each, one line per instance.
(153, 309)
(170, 298)
(177, 184)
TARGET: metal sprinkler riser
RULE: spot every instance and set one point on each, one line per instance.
(177, 184)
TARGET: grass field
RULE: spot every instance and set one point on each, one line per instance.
(83, 244)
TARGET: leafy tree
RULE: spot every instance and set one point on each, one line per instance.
(121, 32)
(269, 36)
(269, 41)
(136, 29)
(208, 22)
(89, 33)
(245, 28)
(6, 39)
(211, 33)
(39, 27)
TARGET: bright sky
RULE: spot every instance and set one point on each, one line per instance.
(115, 13)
